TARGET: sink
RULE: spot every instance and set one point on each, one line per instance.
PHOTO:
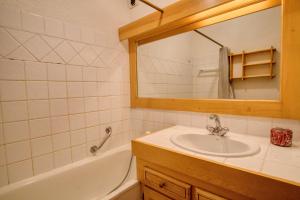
(214, 145)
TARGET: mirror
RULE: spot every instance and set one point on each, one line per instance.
(234, 59)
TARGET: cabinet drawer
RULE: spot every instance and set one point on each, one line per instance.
(150, 194)
(204, 195)
(167, 185)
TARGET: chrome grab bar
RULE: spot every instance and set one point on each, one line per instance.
(95, 148)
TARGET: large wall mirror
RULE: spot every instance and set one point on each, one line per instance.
(238, 58)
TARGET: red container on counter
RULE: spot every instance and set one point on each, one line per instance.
(281, 137)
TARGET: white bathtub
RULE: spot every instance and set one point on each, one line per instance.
(89, 179)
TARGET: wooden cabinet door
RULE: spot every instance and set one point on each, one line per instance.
(205, 195)
(150, 194)
(167, 185)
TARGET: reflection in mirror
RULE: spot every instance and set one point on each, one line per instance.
(234, 59)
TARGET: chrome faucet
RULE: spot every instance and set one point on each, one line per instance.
(218, 129)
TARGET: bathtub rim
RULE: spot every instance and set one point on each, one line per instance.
(59, 170)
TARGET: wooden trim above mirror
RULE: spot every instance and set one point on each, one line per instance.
(289, 104)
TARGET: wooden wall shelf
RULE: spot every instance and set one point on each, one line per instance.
(254, 64)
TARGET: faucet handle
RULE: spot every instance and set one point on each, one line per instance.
(223, 131)
(210, 129)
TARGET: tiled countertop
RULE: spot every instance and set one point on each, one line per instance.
(281, 162)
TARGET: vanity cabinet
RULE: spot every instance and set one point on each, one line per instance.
(158, 186)
(168, 174)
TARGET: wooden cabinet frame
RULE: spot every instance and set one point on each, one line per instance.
(199, 14)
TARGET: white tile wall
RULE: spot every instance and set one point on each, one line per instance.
(51, 78)
(143, 120)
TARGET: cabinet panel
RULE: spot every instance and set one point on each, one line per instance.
(204, 195)
(167, 185)
(150, 194)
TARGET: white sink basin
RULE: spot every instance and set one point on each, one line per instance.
(214, 145)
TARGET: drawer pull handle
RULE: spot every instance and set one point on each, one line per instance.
(161, 185)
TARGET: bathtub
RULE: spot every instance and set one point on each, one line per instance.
(89, 179)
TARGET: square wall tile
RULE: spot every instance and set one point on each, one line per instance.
(78, 137)
(37, 89)
(92, 133)
(116, 102)
(78, 152)
(32, 22)
(19, 171)
(104, 116)
(54, 27)
(43, 164)
(104, 103)
(39, 127)
(14, 111)
(90, 74)
(199, 120)
(90, 89)
(58, 107)
(41, 145)
(259, 126)
(57, 90)
(65, 51)
(60, 124)
(77, 121)
(74, 73)
(238, 124)
(10, 16)
(72, 32)
(56, 72)
(61, 141)
(3, 176)
(91, 119)
(38, 108)
(87, 35)
(75, 89)
(116, 115)
(18, 151)
(16, 131)
(91, 104)
(62, 157)
(76, 105)
(36, 71)
(12, 69)
(13, 90)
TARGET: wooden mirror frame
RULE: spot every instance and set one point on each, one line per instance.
(152, 28)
